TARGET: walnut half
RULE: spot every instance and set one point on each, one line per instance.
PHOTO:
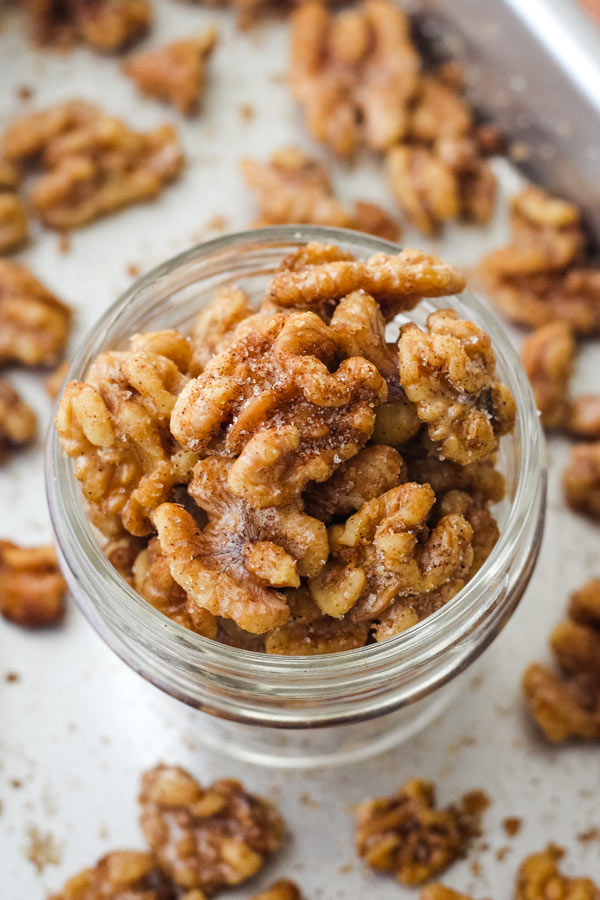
(31, 587)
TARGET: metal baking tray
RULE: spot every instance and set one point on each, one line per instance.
(78, 727)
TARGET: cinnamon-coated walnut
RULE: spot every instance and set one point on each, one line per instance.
(583, 417)
(278, 401)
(10, 175)
(238, 563)
(92, 164)
(34, 324)
(175, 73)
(480, 479)
(31, 587)
(539, 878)
(295, 188)
(215, 326)
(309, 632)
(543, 276)
(120, 875)
(14, 227)
(547, 356)
(396, 282)
(18, 422)
(407, 611)
(116, 427)
(568, 706)
(423, 186)
(353, 73)
(385, 550)
(407, 835)
(438, 111)
(280, 890)
(372, 472)
(581, 479)
(449, 372)
(153, 580)
(485, 528)
(440, 892)
(206, 838)
(107, 25)
(122, 554)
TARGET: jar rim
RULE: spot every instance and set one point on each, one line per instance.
(86, 565)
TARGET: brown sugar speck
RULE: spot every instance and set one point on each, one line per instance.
(247, 112)
(24, 92)
(133, 270)
(12, 677)
(475, 869)
(217, 223)
(475, 803)
(307, 800)
(16, 783)
(346, 869)
(512, 825)
(501, 853)
(64, 242)
(590, 834)
(42, 850)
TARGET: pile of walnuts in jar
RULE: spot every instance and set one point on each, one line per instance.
(286, 479)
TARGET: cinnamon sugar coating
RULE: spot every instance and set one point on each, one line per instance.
(120, 875)
(406, 834)
(107, 25)
(539, 878)
(215, 463)
(567, 705)
(295, 188)
(544, 276)
(547, 356)
(449, 372)
(92, 163)
(206, 838)
(18, 422)
(34, 324)
(353, 73)
(31, 587)
(175, 73)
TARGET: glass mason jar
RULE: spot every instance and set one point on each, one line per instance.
(311, 710)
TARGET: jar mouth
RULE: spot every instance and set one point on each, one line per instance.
(89, 571)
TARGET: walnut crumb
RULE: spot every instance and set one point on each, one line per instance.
(512, 825)
(121, 875)
(539, 878)
(42, 849)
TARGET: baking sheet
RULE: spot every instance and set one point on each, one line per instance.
(78, 727)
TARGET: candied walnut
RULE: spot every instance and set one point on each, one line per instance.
(272, 400)
(31, 587)
(153, 580)
(120, 875)
(206, 838)
(14, 228)
(10, 176)
(480, 479)
(476, 183)
(485, 528)
(122, 554)
(583, 417)
(406, 612)
(107, 25)
(547, 356)
(354, 73)
(93, 164)
(438, 111)
(18, 422)
(386, 550)
(34, 324)
(310, 633)
(542, 276)
(295, 188)
(581, 479)
(372, 472)
(175, 73)
(539, 878)
(280, 890)
(56, 379)
(569, 707)
(215, 326)
(116, 427)
(449, 372)
(236, 565)
(440, 892)
(396, 282)
(407, 835)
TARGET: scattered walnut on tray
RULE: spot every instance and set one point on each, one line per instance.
(121, 875)
(295, 188)
(92, 163)
(544, 275)
(18, 422)
(547, 356)
(34, 324)
(280, 890)
(175, 73)
(568, 706)
(581, 479)
(539, 878)
(31, 587)
(406, 834)
(106, 25)
(440, 892)
(14, 227)
(268, 481)
(206, 838)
